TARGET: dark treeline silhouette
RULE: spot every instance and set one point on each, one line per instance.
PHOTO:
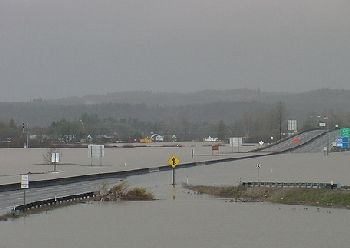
(252, 114)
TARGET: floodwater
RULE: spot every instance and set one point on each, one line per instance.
(75, 161)
(183, 219)
(186, 222)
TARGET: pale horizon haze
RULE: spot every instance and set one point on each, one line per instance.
(54, 49)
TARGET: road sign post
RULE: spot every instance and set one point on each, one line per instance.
(24, 186)
(258, 166)
(236, 142)
(173, 161)
(214, 148)
(325, 150)
(55, 158)
(345, 132)
(173, 177)
(96, 151)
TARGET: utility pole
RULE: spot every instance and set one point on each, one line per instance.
(328, 130)
(25, 131)
(280, 128)
(280, 117)
(27, 135)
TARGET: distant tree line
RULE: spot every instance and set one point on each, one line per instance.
(254, 125)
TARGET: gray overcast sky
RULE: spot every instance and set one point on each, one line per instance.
(56, 48)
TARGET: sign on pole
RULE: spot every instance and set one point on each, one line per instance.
(339, 142)
(24, 186)
(322, 124)
(96, 152)
(345, 132)
(24, 182)
(345, 142)
(55, 157)
(236, 141)
(292, 125)
(214, 148)
(173, 161)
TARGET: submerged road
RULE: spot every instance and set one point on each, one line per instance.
(10, 199)
(51, 189)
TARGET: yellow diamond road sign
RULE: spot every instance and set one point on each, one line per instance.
(173, 161)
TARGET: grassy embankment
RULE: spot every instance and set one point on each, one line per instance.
(292, 196)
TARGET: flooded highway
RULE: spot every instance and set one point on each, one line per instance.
(75, 161)
(180, 218)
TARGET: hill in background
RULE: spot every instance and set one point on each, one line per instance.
(206, 105)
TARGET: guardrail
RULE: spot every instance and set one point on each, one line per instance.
(55, 201)
(308, 185)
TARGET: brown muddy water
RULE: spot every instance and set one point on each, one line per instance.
(183, 219)
(192, 222)
(75, 161)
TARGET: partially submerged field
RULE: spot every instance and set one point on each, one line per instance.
(75, 161)
(291, 196)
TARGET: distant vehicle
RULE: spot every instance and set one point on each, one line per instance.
(157, 138)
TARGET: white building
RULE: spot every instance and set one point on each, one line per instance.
(210, 139)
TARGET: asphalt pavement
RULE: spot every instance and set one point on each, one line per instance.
(10, 199)
(318, 144)
(295, 141)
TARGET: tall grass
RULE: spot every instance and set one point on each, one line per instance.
(298, 196)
